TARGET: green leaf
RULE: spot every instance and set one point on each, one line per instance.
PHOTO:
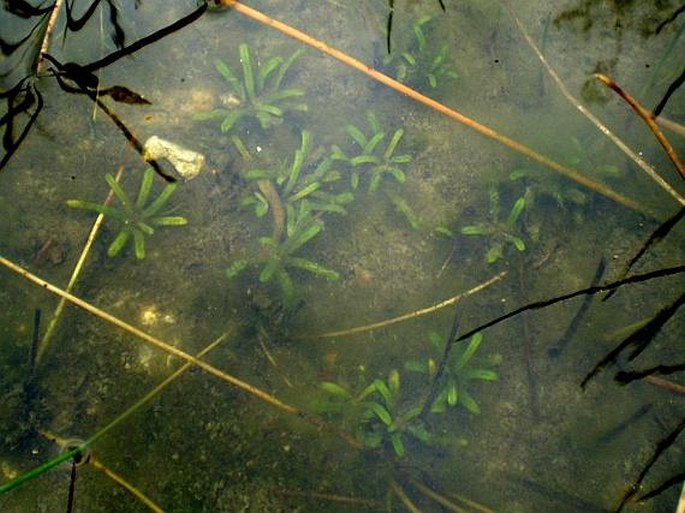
(159, 202)
(517, 242)
(269, 270)
(469, 402)
(231, 118)
(477, 229)
(334, 389)
(383, 389)
(381, 412)
(248, 77)
(397, 444)
(169, 221)
(357, 135)
(101, 209)
(314, 268)
(482, 374)
(286, 65)
(145, 187)
(119, 192)
(516, 210)
(370, 146)
(139, 244)
(265, 70)
(236, 268)
(394, 381)
(226, 72)
(118, 243)
(452, 393)
(416, 366)
(494, 253)
(470, 350)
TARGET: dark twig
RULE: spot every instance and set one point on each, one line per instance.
(657, 236)
(451, 339)
(625, 377)
(640, 339)
(647, 118)
(675, 85)
(537, 305)
(661, 446)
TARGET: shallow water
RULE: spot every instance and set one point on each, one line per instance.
(540, 443)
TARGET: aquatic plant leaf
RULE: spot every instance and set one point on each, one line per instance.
(300, 239)
(212, 114)
(334, 389)
(159, 202)
(398, 174)
(380, 412)
(397, 136)
(119, 192)
(517, 242)
(145, 187)
(97, 207)
(357, 135)
(226, 72)
(265, 70)
(371, 144)
(265, 108)
(364, 159)
(139, 244)
(258, 174)
(452, 393)
(494, 253)
(420, 433)
(284, 94)
(286, 66)
(410, 60)
(432, 81)
(471, 349)
(383, 389)
(397, 444)
(231, 118)
(469, 402)
(269, 270)
(314, 268)
(403, 207)
(368, 390)
(373, 122)
(118, 243)
(401, 159)
(516, 210)
(477, 229)
(169, 221)
(374, 182)
(236, 268)
(394, 381)
(482, 374)
(248, 77)
(144, 228)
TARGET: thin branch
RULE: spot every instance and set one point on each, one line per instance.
(647, 118)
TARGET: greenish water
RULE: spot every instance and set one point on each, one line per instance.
(540, 443)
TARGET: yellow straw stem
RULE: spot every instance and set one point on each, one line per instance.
(125, 484)
(647, 118)
(260, 394)
(412, 315)
(429, 102)
(45, 341)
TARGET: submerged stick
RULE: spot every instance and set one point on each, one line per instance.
(57, 314)
(556, 350)
(429, 102)
(412, 315)
(649, 170)
(647, 118)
